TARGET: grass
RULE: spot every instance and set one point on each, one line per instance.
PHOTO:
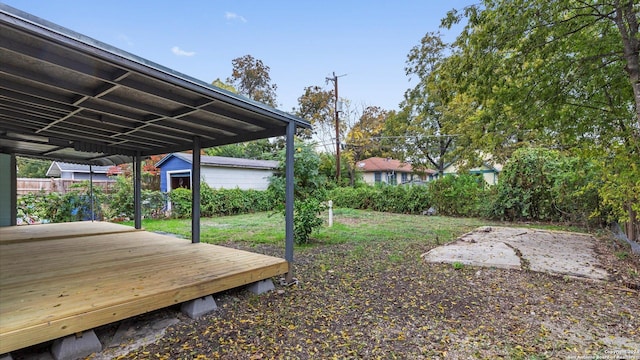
(350, 226)
(353, 226)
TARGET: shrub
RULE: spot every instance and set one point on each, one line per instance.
(524, 188)
(306, 219)
(121, 200)
(216, 202)
(397, 199)
(181, 202)
(457, 195)
(309, 190)
(545, 185)
(75, 205)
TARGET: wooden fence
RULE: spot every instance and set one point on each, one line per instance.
(28, 185)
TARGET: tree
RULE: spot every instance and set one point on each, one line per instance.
(32, 168)
(561, 74)
(221, 84)
(317, 106)
(251, 78)
(150, 176)
(262, 149)
(364, 139)
(420, 124)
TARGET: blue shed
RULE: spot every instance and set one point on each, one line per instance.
(216, 171)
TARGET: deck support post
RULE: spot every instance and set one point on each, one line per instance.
(195, 192)
(137, 190)
(74, 346)
(6, 356)
(261, 287)
(8, 198)
(197, 307)
(289, 199)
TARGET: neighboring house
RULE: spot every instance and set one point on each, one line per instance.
(216, 171)
(378, 170)
(488, 171)
(77, 172)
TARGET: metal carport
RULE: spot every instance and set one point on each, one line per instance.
(67, 97)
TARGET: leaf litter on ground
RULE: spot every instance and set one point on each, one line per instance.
(375, 299)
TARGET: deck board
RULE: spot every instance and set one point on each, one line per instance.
(26, 233)
(54, 287)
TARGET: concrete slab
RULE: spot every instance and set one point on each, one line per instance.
(555, 252)
(561, 253)
(489, 254)
(74, 347)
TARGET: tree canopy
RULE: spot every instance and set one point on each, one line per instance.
(562, 74)
(32, 168)
(251, 78)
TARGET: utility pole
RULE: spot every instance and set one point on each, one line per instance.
(334, 79)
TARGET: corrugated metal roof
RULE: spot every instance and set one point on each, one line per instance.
(221, 161)
(67, 97)
(58, 167)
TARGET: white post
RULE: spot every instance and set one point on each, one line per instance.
(330, 213)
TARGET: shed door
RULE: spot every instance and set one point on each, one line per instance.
(181, 180)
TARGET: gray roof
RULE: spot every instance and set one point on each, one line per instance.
(221, 161)
(67, 97)
(57, 168)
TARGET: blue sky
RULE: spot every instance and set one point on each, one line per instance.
(302, 42)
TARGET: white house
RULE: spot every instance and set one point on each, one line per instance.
(216, 171)
(376, 170)
(488, 171)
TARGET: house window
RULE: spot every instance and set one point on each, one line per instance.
(392, 178)
(377, 177)
(404, 178)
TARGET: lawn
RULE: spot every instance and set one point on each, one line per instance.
(364, 293)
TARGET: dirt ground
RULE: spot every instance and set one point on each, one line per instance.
(383, 301)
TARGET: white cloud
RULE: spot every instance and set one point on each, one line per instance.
(125, 39)
(233, 16)
(176, 50)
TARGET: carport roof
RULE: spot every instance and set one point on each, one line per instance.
(67, 97)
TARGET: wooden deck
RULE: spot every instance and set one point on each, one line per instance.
(78, 276)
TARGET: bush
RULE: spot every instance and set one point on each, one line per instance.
(120, 203)
(457, 195)
(75, 205)
(309, 190)
(306, 219)
(545, 185)
(387, 198)
(181, 202)
(217, 202)
(121, 200)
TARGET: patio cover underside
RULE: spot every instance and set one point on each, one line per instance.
(67, 97)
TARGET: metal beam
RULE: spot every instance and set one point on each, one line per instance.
(137, 190)
(289, 199)
(195, 191)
